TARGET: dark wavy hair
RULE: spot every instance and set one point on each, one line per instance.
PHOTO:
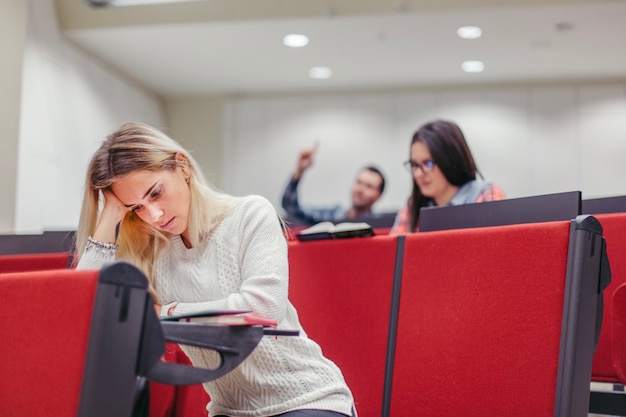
(450, 152)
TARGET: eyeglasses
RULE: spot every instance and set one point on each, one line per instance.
(426, 167)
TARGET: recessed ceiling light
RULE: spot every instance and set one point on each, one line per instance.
(123, 3)
(473, 66)
(296, 40)
(320, 73)
(564, 26)
(469, 32)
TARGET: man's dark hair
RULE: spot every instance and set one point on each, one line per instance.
(375, 170)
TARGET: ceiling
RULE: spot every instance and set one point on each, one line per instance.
(214, 47)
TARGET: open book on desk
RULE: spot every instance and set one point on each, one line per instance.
(328, 230)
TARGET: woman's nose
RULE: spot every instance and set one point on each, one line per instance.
(155, 214)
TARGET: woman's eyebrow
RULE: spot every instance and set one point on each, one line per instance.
(144, 196)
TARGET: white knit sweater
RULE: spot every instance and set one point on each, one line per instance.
(243, 266)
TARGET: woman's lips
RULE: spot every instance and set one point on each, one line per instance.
(167, 225)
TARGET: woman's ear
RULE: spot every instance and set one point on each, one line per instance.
(183, 163)
(181, 158)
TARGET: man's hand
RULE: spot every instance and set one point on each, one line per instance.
(305, 160)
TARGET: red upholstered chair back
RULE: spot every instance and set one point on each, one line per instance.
(42, 372)
(618, 331)
(34, 262)
(609, 361)
(480, 322)
(342, 290)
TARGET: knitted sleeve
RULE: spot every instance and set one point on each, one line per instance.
(95, 255)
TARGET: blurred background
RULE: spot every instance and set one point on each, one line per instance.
(543, 105)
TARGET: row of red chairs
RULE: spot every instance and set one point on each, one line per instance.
(461, 322)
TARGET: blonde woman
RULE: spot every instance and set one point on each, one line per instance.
(146, 202)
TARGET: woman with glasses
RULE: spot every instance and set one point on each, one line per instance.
(444, 173)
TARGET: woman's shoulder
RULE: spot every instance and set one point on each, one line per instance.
(251, 212)
(253, 200)
(251, 205)
(477, 191)
(490, 191)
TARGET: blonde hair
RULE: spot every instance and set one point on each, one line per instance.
(134, 147)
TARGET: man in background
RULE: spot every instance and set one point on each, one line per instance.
(367, 190)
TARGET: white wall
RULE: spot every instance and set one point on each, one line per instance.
(196, 123)
(13, 15)
(531, 140)
(70, 102)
